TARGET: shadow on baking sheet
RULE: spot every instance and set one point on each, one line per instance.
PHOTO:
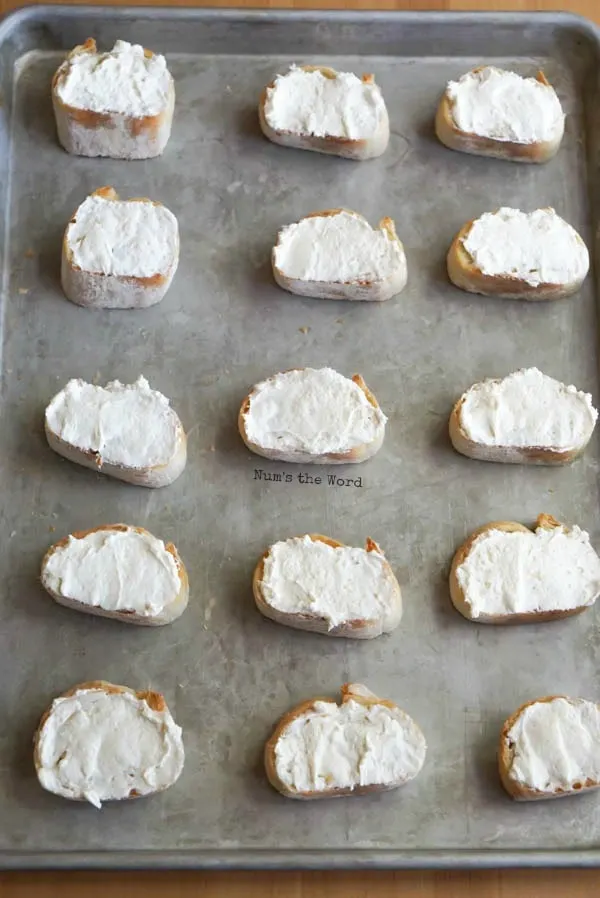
(34, 107)
(49, 259)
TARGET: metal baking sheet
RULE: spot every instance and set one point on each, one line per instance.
(227, 673)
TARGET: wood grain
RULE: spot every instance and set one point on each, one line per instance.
(489, 884)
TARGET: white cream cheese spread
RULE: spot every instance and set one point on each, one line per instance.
(340, 248)
(306, 576)
(312, 410)
(116, 570)
(123, 80)
(125, 424)
(344, 746)
(556, 745)
(536, 247)
(309, 103)
(520, 572)
(127, 238)
(501, 105)
(527, 408)
(99, 746)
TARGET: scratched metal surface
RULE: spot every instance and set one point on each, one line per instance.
(227, 673)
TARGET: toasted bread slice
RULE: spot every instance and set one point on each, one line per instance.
(312, 416)
(119, 254)
(127, 431)
(550, 748)
(86, 733)
(544, 574)
(336, 254)
(119, 103)
(524, 418)
(493, 112)
(487, 256)
(314, 583)
(301, 762)
(120, 572)
(315, 108)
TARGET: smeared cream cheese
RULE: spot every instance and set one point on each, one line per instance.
(309, 103)
(556, 745)
(536, 247)
(527, 408)
(340, 248)
(98, 746)
(116, 570)
(126, 424)
(312, 410)
(502, 105)
(306, 576)
(123, 80)
(523, 572)
(135, 238)
(344, 746)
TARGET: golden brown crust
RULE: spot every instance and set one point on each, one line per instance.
(457, 595)
(360, 628)
(452, 137)
(517, 455)
(352, 456)
(465, 275)
(148, 126)
(336, 146)
(350, 692)
(519, 791)
(169, 614)
(154, 700)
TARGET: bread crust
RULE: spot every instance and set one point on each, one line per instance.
(465, 275)
(83, 132)
(519, 791)
(360, 628)
(547, 522)
(358, 150)
(353, 456)
(350, 692)
(168, 614)
(153, 477)
(512, 455)
(452, 137)
(154, 700)
(96, 290)
(373, 291)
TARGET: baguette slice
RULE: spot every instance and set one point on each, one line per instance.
(325, 595)
(524, 418)
(127, 431)
(119, 254)
(487, 256)
(337, 255)
(549, 574)
(377, 747)
(119, 103)
(312, 416)
(287, 117)
(510, 117)
(120, 572)
(100, 742)
(550, 748)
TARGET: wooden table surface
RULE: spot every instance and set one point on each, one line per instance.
(410, 884)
